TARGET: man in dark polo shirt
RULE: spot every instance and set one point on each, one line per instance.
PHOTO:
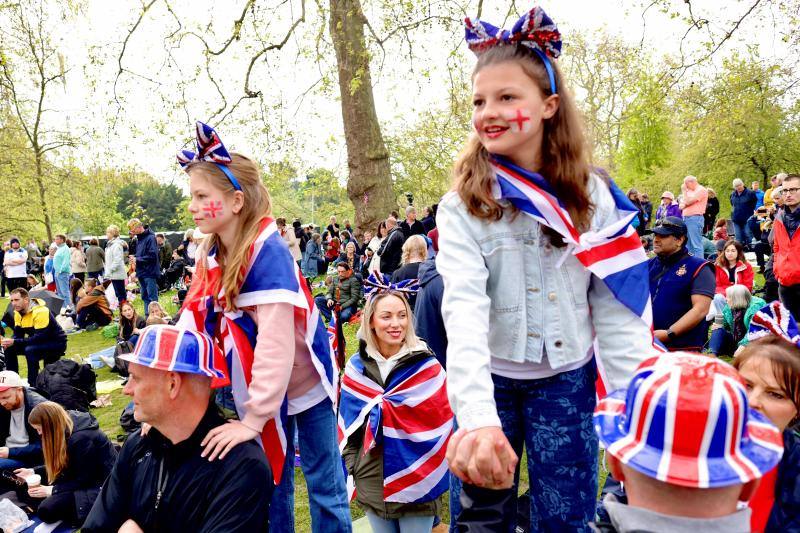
(681, 286)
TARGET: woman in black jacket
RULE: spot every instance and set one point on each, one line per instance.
(712, 211)
(77, 459)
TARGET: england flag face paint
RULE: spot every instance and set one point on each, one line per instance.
(519, 120)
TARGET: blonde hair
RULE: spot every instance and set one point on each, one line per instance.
(255, 206)
(113, 229)
(56, 426)
(564, 155)
(415, 247)
(368, 334)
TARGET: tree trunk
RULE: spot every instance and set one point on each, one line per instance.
(369, 185)
(42, 197)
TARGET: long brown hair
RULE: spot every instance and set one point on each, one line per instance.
(784, 358)
(564, 156)
(56, 427)
(722, 261)
(256, 205)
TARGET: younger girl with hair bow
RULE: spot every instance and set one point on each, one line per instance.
(247, 292)
(394, 417)
(538, 256)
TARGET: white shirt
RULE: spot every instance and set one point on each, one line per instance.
(16, 271)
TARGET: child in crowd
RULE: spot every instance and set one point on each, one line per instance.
(395, 372)
(770, 367)
(279, 362)
(518, 295)
(156, 314)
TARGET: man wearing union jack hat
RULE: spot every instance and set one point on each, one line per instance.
(687, 446)
(161, 481)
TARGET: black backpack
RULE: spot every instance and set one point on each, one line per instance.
(68, 383)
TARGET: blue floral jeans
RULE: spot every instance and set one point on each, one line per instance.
(552, 417)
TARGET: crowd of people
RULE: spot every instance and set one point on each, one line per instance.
(535, 309)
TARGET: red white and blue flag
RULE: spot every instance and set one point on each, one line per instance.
(272, 276)
(613, 253)
(410, 418)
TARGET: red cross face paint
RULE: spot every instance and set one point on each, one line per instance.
(519, 120)
(212, 209)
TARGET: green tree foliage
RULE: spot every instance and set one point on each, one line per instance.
(645, 136)
(154, 203)
(741, 123)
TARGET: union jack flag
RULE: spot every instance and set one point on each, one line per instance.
(271, 276)
(774, 319)
(613, 253)
(411, 418)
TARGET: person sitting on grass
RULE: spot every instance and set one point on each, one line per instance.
(689, 459)
(729, 331)
(77, 459)
(37, 335)
(20, 444)
(93, 309)
(156, 314)
(344, 294)
(130, 324)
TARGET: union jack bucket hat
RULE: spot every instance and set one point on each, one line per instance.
(175, 349)
(685, 420)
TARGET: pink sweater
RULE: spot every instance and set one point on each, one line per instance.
(694, 202)
(281, 362)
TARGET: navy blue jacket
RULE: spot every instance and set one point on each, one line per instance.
(785, 515)
(147, 260)
(428, 310)
(673, 281)
(743, 205)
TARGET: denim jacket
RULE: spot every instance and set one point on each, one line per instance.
(508, 294)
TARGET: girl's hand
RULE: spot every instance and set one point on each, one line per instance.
(22, 473)
(222, 439)
(42, 491)
(130, 527)
(482, 457)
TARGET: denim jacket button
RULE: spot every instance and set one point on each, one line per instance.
(557, 344)
(551, 297)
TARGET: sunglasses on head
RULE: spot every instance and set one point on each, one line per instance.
(668, 224)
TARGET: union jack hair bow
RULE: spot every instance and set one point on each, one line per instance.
(211, 149)
(534, 30)
(373, 286)
(774, 319)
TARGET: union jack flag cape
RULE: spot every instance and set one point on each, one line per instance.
(271, 276)
(613, 253)
(411, 418)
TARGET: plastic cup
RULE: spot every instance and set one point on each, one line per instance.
(34, 480)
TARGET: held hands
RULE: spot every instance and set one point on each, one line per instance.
(482, 457)
(222, 439)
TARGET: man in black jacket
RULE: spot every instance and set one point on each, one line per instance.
(391, 250)
(161, 482)
(20, 444)
(37, 335)
(412, 226)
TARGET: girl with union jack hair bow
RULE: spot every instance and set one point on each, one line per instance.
(770, 367)
(249, 295)
(530, 240)
(394, 417)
